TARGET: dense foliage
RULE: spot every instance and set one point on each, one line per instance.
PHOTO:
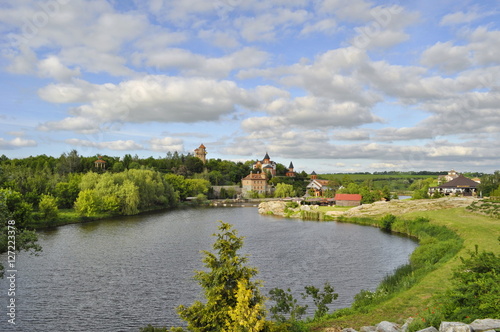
(490, 184)
(15, 214)
(473, 295)
(233, 300)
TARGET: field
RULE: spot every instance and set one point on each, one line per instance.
(473, 228)
(399, 182)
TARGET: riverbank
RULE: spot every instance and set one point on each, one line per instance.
(374, 210)
(472, 228)
(70, 216)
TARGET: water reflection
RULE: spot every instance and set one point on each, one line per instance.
(124, 273)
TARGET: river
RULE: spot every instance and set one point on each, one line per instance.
(122, 274)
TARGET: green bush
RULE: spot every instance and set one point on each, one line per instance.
(387, 221)
(48, 208)
(476, 288)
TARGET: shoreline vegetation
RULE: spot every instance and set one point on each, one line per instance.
(447, 229)
(440, 283)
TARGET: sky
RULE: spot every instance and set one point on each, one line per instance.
(331, 85)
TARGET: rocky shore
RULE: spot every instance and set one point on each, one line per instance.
(479, 325)
(395, 207)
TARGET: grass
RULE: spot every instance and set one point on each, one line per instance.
(472, 228)
(363, 177)
(334, 208)
(65, 217)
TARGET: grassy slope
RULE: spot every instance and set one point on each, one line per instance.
(473, 228)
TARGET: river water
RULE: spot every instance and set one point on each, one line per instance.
(122, 274)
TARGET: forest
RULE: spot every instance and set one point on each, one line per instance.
(44, 190)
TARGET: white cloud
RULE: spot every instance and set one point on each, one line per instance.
(327, 26)
(386, 29)
(352, 135)
(166, 144)
(152, 98)
(223, 39)
(76, 92)
(119, 145)
(320, 112)
(53, 68)
(16, 143)
(77, 124)
(356, 10)
(266, 26)
(191, 64)
(460, 17)
(23, 61)
(448, 58)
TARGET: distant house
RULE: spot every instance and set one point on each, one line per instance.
(266, 165)
(255, 182)
(448, 177)
(348, 199)
(99, 163)
(291, 173)
(458, 186)
(318, 186)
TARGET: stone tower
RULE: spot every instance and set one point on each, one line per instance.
(201, 153)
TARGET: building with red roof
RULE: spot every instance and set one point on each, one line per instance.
(348, 199)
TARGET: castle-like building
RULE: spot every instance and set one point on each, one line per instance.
(265, 165)
(257, 179)
(201, 152)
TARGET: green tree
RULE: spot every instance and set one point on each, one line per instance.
(476, 285)
(48, 208)
(386, 193)
(118, 167)
(87, 203)
(489, 183)
(129, 198)
(194, 164)
(245, 316)
(284, 190)
(321, 299)
(226, 271)
(179, 185)
(216, 177)
(16, 208)
(15, 218)
(197, 186)
(69, 163)
(286, 308)
(67, 192)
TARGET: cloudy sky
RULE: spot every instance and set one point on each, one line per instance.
(332, 85)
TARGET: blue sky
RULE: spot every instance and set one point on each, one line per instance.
(332, 85)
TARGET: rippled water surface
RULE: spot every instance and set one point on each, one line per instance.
(122, 274)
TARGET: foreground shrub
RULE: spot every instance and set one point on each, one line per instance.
(476, 288)
(233, 301)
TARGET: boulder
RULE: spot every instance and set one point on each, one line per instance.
(386, 326)
(485, 324)
(429, 329)
(349, 330)
(407, 323)
(454, 327)
(274, 207)
(367, 329)
(305, 208)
